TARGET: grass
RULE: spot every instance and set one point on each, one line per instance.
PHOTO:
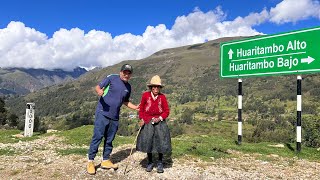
(82, 136)
(205, 140)
(217, 128)
(6, 152)
(208, 147)
(210, 140)
(196, 147)
(77, 151)
(6, 136)
(77, 136)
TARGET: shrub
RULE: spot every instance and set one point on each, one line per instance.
(127, 127)
(187, 116)
(3, 112)
(13, 120)
(79, 119)
(279, 131)
(311, 131)
(220, 115)
(176, 129)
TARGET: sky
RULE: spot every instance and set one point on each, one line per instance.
(66, 34)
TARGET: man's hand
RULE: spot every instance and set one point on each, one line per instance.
(141, 123)
(99, 91)
(138, 107)
(131, 106)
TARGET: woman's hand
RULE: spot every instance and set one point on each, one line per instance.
(141, 123)
(156, 120)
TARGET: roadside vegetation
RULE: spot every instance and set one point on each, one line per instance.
(218, 143)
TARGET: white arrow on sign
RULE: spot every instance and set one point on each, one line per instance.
(230, 53)
(307, 60)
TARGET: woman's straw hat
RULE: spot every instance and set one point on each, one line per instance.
(155, 81)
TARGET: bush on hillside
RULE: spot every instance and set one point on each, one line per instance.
(13, 120)
(220, 115)
(311, 131)
(77, 120)
(278, 130)
(3, 112)
(176, 129)
(315, 92)
(309, 108)
(187, 116)
(39, 126)
(277, 109)
(6, 118)
(128, 127)
(185, 97)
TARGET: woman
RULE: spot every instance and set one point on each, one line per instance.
(154, 136)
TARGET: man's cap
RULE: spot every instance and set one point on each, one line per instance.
(127, 67)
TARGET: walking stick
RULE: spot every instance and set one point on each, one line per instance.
(125, 170)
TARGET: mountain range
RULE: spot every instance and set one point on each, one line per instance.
(23, 81)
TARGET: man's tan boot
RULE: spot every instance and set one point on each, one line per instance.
(107, 164)
(91, 169)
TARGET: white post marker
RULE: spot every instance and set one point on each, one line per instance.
(29, 121)
(299, 109)
(239, 111)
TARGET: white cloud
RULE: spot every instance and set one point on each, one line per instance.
(294, 10)
(22, 46)
(67, 49)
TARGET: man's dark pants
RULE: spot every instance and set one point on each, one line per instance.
(106, 128)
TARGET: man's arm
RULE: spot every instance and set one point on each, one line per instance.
(99, 91)
(131, 106)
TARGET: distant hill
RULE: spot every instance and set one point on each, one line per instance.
(24, 81)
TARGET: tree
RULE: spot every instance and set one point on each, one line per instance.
(13, 120)
(3, 112)
(39, 126)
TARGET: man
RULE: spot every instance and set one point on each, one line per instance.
(114, 91)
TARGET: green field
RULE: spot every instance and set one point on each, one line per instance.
(206, 141)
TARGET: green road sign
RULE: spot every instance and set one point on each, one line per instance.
(296, 52)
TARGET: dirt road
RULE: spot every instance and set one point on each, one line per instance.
(39, 159)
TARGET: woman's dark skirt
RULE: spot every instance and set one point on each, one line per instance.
(154, 138)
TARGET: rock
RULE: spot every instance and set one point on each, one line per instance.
(277, 145)
(274, 155)
(18, 136)
(51, 130)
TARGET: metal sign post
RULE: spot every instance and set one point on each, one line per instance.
(29, 121)
(299, 109)
(239, 111)
(295, 52)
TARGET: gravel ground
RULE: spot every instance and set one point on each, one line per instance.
(38, 159)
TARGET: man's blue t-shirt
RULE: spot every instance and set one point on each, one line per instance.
(116, 93)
